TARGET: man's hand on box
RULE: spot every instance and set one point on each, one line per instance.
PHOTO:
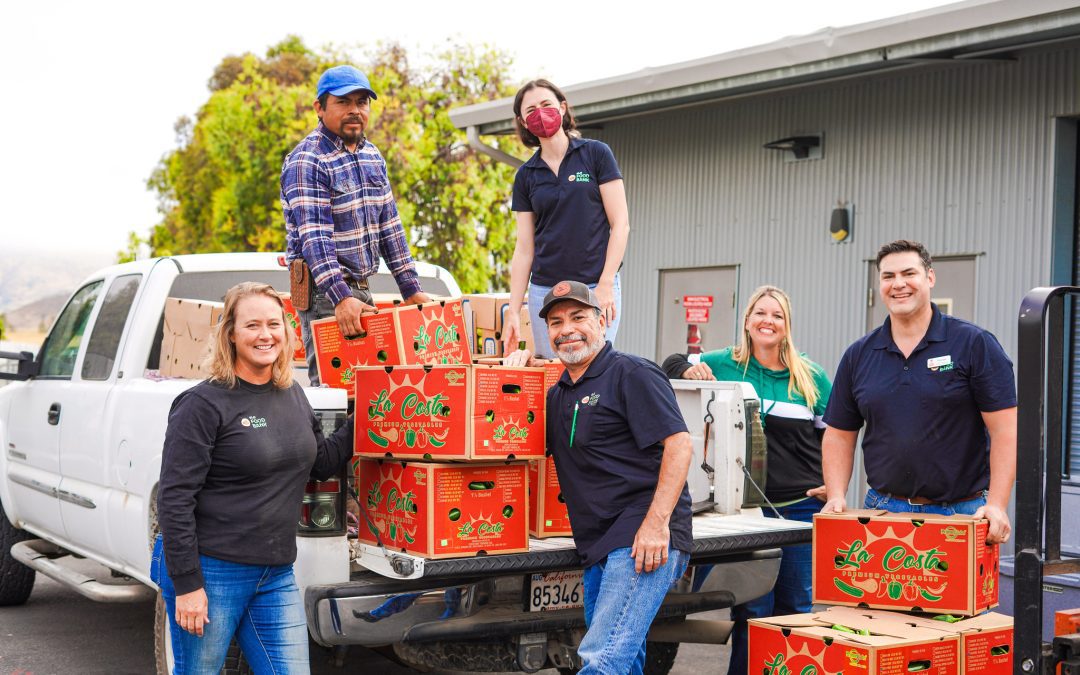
(834, 505)
(519, 358)
(348, 313)
(417, 298)
(1000, 529)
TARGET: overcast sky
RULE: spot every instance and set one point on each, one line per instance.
(91, 90)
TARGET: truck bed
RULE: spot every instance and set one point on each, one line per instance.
(715, 536)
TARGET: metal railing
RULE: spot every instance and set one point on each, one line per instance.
(1043, 336)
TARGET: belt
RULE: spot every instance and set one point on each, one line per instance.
(923, 501)
(361, 284)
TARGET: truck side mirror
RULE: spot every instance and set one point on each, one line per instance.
(27, 367)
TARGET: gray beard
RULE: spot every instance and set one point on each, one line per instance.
(577, 356)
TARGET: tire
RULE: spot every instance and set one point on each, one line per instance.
(16, 579)
(235, 663)
(659, 659)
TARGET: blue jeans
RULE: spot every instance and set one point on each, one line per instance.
(877, 500)
(321, 309)
(792, 592)
(620, 605)
(259, 605)
(539, 326)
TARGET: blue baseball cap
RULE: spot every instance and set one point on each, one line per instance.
(341, 80)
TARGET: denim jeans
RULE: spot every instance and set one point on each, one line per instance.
(258, 605)
(790, 595)
(877, 500)
(539, 326)
(320, 309)
(620, 605)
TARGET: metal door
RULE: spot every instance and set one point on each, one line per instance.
(709, 323)
(953, 291)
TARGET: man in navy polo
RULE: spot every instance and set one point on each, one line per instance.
(622, 453)
(938, 398)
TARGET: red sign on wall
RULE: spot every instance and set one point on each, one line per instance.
(697, 301)
(697, 315)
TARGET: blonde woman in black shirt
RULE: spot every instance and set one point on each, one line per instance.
(238, 450)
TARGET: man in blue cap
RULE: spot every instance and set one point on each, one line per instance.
(340, 214)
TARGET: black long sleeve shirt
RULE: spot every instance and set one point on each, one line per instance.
(233, 471)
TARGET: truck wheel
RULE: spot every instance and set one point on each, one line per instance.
(16, 579)
(659, 659)
(235, 663)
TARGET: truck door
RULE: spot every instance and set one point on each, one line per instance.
(697, 310)
(33, 450)
(87, 446)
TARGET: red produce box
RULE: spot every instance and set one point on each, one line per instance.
(986, 641)
(916, 562)
(547, 510)
(444, 510)
(481, 412)
(338, 357)
(292, 322)
(830, 643)
(433, 332)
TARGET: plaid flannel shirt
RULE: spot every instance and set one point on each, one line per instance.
(340, 215)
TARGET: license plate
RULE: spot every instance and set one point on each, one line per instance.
(556, 590)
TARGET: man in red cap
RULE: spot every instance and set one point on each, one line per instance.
(622, 452)
(340, 215)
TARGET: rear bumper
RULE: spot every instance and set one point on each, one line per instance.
(372, 610)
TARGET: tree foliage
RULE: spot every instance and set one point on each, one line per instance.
(218, 190)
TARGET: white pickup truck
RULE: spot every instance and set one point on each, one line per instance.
(82, 430)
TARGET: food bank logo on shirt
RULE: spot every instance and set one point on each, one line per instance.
(579, 177)
(940, 364)
(591, 399)
(253, 422)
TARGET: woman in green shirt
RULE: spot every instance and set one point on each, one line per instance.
(794, 391)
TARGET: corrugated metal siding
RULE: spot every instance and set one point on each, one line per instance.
(958, 156)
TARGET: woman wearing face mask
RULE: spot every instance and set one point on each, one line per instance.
(572, 220)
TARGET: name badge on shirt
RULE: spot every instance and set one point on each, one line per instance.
(940, 363)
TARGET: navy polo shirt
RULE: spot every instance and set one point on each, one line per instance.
(925, 435)
(572, 228)
(625, 409)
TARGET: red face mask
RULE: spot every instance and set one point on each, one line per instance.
(544, 122)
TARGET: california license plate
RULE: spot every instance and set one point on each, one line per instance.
(556, 590)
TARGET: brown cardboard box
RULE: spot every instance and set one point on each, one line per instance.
(186, 333)
(488, 312)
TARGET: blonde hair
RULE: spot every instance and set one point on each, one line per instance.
(222, 360)
(801, 377)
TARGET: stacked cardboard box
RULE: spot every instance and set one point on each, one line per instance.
(433, 332)
(185, 341)
(902, 584)
(487, 312)
(444, 510)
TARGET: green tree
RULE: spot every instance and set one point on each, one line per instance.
(218, 190)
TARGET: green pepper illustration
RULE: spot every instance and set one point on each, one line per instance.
(393, 531)
(410, 437)
(455, 514)
(896, 589)
(508, 511)
(846, 588)
(928, 595)
(377, 439)
(435, 443)
(408, 538)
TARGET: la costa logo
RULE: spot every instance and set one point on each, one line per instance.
(776, 666)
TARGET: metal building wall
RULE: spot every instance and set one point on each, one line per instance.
(956, 155)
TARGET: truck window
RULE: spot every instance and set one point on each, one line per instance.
(109, 326)
(62, 345)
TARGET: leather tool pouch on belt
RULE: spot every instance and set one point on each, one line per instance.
(300, 284)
